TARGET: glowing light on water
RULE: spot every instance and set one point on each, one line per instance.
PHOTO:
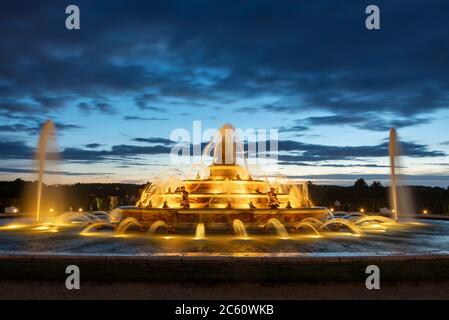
(12, 226)
(49, 228)
(375, 218)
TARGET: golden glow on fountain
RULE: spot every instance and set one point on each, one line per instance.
(228, 185)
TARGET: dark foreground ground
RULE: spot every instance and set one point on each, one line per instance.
(251, 277)
(22, 289)
(413, 260)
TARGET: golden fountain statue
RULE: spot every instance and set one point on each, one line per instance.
(226, 193)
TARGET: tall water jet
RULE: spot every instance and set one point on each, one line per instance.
(200, 233)
(239, 229)
(400, 197)
(393, 186)
(47, 134)
(278, 227)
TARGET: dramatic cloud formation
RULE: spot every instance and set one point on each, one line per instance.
(143, 68)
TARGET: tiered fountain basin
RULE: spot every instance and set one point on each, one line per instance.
(224, 193)
(221, 219)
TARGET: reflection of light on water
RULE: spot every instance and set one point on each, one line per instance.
(122, 236)
(415, 223)
(12, 227)
(343, 234)
(42, 228)
(314, 236)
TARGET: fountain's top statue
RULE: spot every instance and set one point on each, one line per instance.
(228, 185)
(224, 164)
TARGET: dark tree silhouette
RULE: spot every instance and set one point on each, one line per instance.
(361, 184)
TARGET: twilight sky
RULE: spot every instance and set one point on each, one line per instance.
(136, 70)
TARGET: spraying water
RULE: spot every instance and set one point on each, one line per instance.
(400, 197)
(307, 225)
(239, 229)
(47, 134)
(393, 187)
(127, 223)
(347, 223)
(278, 227)
(200, 232)
(156, 225)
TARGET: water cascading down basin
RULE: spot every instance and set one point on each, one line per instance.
(227, 192)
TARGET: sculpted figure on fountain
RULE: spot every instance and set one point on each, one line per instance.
(273, 202)
(185, 203)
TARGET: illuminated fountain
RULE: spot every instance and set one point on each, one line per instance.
(47, 135)
(226, 197)
(400, 195)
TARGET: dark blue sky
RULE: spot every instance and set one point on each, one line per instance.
(136, 70)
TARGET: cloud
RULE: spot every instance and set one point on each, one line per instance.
(164, 56)
(368, 121)
(289, 151)
(101, 107)
(155, 140)
(117, 151)
(35, 128)
(333, 165)
(349, 179)
(15, 150)
(137, 118)
(93, 145)
(298, 151)
(65, 173)
(142, 102)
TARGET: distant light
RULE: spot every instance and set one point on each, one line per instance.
(51, 210)
(362, 210)
(15, 210)
(332, 209)
(80, 209)
(425, 211)
(393, 211)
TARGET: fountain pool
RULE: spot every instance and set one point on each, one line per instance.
(225, 212)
